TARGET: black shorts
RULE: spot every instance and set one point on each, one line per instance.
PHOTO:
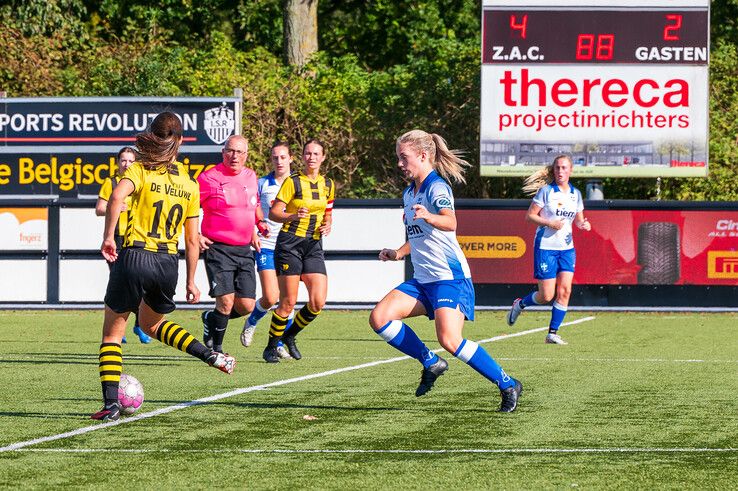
(295, 255)
(230, 269)
(139, 274)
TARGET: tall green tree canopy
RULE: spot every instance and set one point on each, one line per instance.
(383, 67)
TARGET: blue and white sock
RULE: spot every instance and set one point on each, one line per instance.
(290, 320)
(477, 357)
(257, 314)
(529, 299)
(400, 336)
(558, 312)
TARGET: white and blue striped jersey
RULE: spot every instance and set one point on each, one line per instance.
(435, 254)
(268, 189)
(557, 205)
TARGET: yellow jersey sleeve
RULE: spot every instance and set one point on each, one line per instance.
(135, 173)
(106, 189)
(287, 191)
(331, 184)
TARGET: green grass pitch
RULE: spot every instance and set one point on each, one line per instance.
(636, 400)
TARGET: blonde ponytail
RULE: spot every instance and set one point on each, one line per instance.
(541, 177)
(448, 163)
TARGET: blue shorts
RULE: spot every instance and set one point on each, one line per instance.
(547, 264)
(264, 259)
(444, 293)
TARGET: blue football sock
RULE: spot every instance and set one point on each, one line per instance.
(558, 312)
(399, 335)
(290, 320)
(477, 357)
(529, 299)
(257, 314)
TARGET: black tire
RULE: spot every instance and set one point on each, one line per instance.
(658, 253)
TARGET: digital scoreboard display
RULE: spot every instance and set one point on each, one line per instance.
(621, 86)
(595, 36)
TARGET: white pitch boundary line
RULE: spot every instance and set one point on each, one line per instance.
(246, 390)
(389, 451)
(615, 360)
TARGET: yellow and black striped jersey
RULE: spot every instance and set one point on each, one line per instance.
(316, 195)
(161, 202)
(105, 191)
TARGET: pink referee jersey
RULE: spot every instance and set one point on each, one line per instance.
(229, 204)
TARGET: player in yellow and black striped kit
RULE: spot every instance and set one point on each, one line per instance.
(304, 205)
(164, 201)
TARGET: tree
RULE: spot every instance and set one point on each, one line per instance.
(300, 30)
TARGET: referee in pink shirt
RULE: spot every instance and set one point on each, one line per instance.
(229, 197)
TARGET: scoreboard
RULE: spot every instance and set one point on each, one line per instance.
(621, 86)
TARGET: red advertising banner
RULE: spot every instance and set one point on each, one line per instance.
(624, 247)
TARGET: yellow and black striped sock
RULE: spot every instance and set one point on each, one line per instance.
(276, 328)
(110, 367)
(176, 336)
(302, 318)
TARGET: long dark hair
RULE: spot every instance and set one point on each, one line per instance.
(158, 147)
(282, 143)
(127, 150)
(315, 141)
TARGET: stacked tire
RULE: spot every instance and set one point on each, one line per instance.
(658, 253)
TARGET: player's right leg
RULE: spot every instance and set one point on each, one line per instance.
(288, 287)
(386, 320)
(269, 294)
(159, 273)
(174, 335)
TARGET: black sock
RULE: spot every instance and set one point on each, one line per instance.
(235, 314)
(218, 323)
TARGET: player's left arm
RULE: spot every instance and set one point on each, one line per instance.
(440, 200)
(581, 222)
(325, 227)
(445, 220)
(192, 254)
(262, 227)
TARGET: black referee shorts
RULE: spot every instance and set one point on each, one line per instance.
(230, 269)
(139, 274)
(295, 255)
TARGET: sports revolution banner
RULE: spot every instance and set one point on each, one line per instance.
(624, 247)
(67, 146)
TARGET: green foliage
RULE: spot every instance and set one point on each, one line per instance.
(724, 21)
(385, 67)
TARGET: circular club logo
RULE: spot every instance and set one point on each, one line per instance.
(220, 122)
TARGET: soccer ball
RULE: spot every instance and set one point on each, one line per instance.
(130, 394)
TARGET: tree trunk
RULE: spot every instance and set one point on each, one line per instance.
(300, 30)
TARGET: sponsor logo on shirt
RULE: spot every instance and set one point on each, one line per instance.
(414, 231)
(442, 202)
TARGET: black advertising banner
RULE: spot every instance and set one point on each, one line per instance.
(67, 146)
(79, 174)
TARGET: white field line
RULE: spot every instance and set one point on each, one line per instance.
(615, 360)
(388, 451)
(246, 390)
